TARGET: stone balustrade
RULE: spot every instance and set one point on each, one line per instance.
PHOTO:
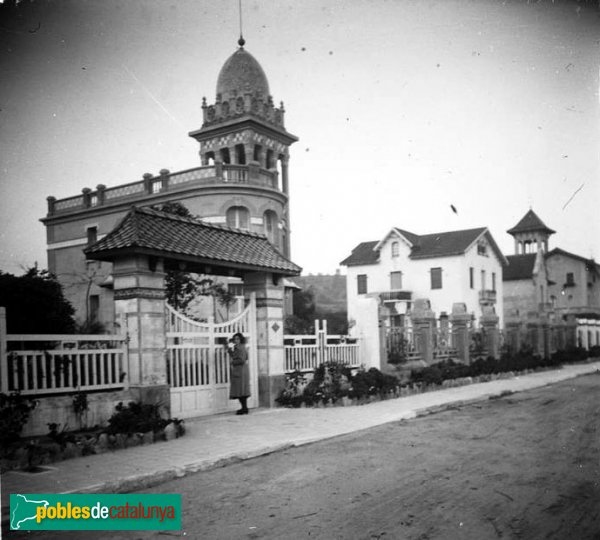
(165, 181)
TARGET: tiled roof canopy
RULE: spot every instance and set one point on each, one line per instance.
(425, 246)
(530, 223)
(519, 267)
(198, 244)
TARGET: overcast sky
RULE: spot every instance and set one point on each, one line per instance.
(403, 108)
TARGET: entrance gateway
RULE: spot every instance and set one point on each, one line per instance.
(193, 375)
(198, 364)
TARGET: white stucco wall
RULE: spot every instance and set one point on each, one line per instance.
(416, 278)
(366, 328)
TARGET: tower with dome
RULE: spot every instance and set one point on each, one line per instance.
(242, 183)
(244, 132)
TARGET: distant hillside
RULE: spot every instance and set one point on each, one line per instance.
(329, 291)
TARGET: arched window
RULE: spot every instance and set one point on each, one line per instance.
(240, 154)
(395, 249)
(238, 217)
(269, 162)
(270, 226)
(225, 157)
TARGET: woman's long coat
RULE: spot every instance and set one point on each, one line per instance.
(239, 372)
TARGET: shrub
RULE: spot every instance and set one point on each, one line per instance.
(61, 437)
(136, 418)
(14, 413)
(372, 382)
(291, 395)
(594, 351)
(332, 381)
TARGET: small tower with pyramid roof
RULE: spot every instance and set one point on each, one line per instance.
(530, 234)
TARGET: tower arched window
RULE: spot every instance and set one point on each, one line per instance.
(269, 162)
(270, 226)
(238, 217)
(240, 154)
(225, 157)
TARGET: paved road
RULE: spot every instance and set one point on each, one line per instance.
(523, 466)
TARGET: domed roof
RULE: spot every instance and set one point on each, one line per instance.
(241, 74)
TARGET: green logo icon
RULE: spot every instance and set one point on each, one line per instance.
(53, 512)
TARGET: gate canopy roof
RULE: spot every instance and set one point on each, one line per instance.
(191, 245)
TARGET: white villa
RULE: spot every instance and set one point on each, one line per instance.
(445, 268)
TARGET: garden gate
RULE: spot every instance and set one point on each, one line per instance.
(198, 364)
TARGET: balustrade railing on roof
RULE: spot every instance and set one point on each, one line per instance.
(165, 181)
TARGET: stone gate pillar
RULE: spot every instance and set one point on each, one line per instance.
(512, 328)
(571, 332)
(489, 321)
(546, 336)
(140, 310)
(269, 330)
(535, 333)
(460, 331)
(423, 321)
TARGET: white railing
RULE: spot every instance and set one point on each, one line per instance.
(195, 352)
(307, 352)
(50, 364)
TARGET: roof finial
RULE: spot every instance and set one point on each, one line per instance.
(241, 41)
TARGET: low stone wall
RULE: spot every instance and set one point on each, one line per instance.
(32, 455)
(59, 410)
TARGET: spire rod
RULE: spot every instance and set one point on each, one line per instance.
(241, 41)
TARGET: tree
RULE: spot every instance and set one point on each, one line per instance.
(183, 287)
(304, 314)
(35, 303)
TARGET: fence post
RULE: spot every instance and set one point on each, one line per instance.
(325, 353)
(489, 322)
(3, 353)
(423, 320)
(460, 331)
(121, 328)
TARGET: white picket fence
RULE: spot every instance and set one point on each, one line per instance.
(36, 364)
(307, 352)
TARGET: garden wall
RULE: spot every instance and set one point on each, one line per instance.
(59, 410)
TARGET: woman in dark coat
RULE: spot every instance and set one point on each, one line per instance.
(239, 372)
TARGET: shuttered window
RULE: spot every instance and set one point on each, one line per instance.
(436, 278)
(361, 283)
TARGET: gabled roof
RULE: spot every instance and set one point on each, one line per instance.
(364, 253)
(590, 263)
(530, 222)
(406, 236)
(411, 237)
(173, 237)
(519, 267)
(444, 244)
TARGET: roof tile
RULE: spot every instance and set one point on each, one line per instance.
(519, 267)
(175, 235)
(530, 222)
